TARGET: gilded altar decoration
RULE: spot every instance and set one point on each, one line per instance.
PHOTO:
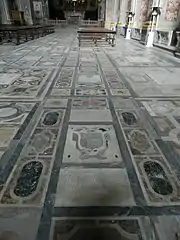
(172, 10)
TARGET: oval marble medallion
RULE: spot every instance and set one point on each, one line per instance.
(129, 118)
(157, 178)
(50, 118)
(28, 179)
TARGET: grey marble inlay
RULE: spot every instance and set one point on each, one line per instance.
(140, 143)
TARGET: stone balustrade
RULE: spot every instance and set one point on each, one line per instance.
(160, 38)
(163, 37)
(136, 33)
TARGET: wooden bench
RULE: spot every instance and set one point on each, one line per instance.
(19, 34)
(95, 34)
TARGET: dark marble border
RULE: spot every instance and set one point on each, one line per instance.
(46, 218)
(44, 227)
(135, 185)
(115, 211)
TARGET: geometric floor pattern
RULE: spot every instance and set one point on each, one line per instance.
(89, 141)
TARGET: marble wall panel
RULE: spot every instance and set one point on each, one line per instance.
(172, 10)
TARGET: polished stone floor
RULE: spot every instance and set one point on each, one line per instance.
(89, 141)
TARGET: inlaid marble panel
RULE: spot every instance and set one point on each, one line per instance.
(164, 125)
(65, 79)
(87, 144)
(90, 103)
(90, 85)
(162, 108)
(159, 182)
(14, 113)
(129, 119)
(28, 182)
(90, 92)
(140, 143)
(93, 187)
(43, 142)
(51, 118)
(50, 60)
(26, 61)
(28, 84)
(115, 229)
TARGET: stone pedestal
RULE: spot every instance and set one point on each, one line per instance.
(150, 39)
(128, 33)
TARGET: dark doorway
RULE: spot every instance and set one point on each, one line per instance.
(56, 10)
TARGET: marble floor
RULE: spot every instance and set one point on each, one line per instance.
(89, 141)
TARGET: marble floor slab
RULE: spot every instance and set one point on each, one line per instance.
(93, 187)
(90, 115)
(89, 140)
